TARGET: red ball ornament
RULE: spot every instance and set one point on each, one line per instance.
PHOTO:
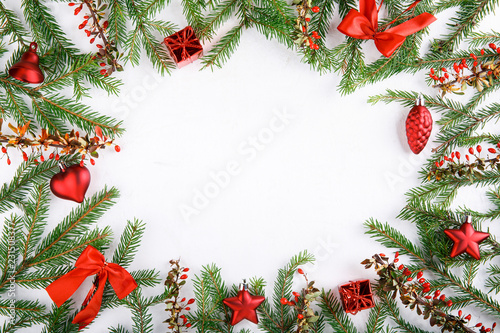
(71, 183)
(27, 69)
(244, 305)
(418, 126)
(466, 239)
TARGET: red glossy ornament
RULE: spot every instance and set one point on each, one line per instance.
(466, 239)
(244, 305)
(71, 183)
(27, 69)
(184, 46)
(418, 126)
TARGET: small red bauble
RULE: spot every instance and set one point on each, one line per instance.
(27, 69)
(356, 296)
(244, 305)
(184, 46)
(418, 126)
(466, 239)
(71, 183)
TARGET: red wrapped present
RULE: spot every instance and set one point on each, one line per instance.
(184, 46)
(356, 296)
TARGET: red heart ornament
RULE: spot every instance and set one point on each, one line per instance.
(71, 183)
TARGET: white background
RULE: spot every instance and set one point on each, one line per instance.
(311, 186)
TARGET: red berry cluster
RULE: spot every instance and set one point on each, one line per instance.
(303, 38)
(175, 280)
(95, 29)
(470, 168)
(302, 303)
(480, 74)
(70, 143)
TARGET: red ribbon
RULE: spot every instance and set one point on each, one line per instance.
(364, 25)
(91, 262)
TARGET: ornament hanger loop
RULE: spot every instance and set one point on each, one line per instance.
(468, 218)
(244, 285)
(62, 166)
(33, 46)
(420, 100)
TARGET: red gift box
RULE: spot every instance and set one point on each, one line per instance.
(356, 296)
(184, 46)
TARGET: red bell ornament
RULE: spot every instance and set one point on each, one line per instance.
(418, 126)
(27, 69)
(71, 183)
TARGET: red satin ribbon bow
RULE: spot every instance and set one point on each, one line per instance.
(364, 25)
(91, 262)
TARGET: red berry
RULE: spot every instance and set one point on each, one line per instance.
(428, 297)
(25, 157)
(490, 72)
(117, 148)
(72, 4)
(42, 158)
(401, 267)
(492, 150)
(102, 64)
(105, 24)
(300, 271)
(82, 163)
(482, 51)
(396, 254)
(183, 299)
(185, 269)
(315, 9)
(479, 324)
(498, 145)
(492, 46)
(396, 260)
(291, 303)
(446, 75)
(441, 163)
(103, 71)
(4, 150)
(317, 36)
(441, 79)
(467, 157)
(494, 325)
(471, 150)
(316, 46)
(300, 316)
(187, 308)
(92, 40)
(473, 56)
(183, 276)
(498, 50)
(303, 28)
(474, 64)
(460, 313)
(432, 71)
(188, 325)
(457, 155)
(449, 303)
(77, 10)
(479, 148)
(99, 46)
(296, 294)
(51, 156)
(409, 279)
(421, 280)
(57, 157)
(420, 274)
(437, 293)
(8, 161)
(407, 272)
(464, 62)
(284, 301)
(443, 297)
(308, 19)
(468, 317)
(426, 290)
(191, 301)
(453, 155)
(444, 69)
(92, 161)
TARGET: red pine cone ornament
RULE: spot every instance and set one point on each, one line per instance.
(418, 126)
(71, 183)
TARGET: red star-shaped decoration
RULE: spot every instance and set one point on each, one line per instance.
(466, 239)
(244, 306)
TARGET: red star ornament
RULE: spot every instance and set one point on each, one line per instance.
(244, 305)
(466, 239)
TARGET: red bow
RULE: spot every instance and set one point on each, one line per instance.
(91, 262)
(364, 25)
